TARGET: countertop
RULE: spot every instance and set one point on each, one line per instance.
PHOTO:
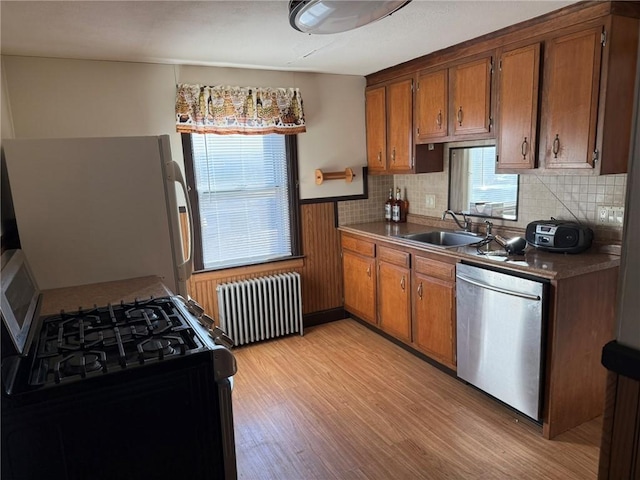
(101, 294)
(548, 265)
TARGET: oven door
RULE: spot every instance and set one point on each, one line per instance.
(168, 421)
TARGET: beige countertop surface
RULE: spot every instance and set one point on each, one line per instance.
(548, 265)
(101, 294)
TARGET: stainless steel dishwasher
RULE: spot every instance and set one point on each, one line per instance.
(500, 324)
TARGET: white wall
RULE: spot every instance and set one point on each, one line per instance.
(56, 98)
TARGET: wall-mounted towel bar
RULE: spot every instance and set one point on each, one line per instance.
(346, 175)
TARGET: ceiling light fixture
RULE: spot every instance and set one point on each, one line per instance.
(335, 16)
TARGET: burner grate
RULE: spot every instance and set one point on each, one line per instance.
(99, 340)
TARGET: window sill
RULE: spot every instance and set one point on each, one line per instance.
(269, 267)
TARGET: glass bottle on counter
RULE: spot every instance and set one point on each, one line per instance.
(388, 206)
(397, 207)
(405, 207)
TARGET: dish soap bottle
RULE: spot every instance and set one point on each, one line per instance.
(388, 205)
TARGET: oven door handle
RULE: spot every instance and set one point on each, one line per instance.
(185, 269)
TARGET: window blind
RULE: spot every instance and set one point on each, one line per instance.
(486, 185)
(243, 196)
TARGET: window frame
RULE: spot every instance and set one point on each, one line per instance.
(291, 150)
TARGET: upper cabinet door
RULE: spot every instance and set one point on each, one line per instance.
(400, 125)
(471, 106)
(518, 78)
(570, 100)
(376, 129)
(431, 106)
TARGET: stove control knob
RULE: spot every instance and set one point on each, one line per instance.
(195, 308)
(221, 338)
(206, 321)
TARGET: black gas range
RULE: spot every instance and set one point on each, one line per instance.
(88, 343)
(130, 391)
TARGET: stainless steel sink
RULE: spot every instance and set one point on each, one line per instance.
(444, 239)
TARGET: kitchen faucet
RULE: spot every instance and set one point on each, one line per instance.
(466, 226)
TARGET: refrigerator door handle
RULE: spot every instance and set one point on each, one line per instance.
(497, 289)
(185, 269)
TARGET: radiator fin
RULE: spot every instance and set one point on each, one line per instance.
(261, 308)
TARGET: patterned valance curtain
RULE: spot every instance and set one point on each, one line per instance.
(238, 110)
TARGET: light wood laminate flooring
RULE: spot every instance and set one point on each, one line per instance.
(342, 402)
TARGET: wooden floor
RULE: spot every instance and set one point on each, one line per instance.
(342, 402)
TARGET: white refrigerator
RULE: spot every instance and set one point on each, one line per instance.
(92, 210)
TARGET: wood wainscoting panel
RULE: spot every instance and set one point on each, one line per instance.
(202, 286)
(322, 272)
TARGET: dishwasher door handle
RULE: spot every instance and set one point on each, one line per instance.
(497, 289)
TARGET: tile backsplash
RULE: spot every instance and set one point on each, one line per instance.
(371, 209)
(540, 197)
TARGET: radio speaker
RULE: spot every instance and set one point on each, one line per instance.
(566, 237)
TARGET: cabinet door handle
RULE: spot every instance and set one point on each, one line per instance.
(379, 157)
(460, 116)
(369, 271)
(439, 119)
(402, 283)
(525, 148)
(556, 146)
(420, 290)
(393, 155)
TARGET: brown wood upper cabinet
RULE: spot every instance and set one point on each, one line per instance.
(375, 101)
(570, 100)
(432, 94)
(518, 80)
(389, 117)
(470, 84)
(588, 84)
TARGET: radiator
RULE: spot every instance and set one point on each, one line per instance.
(260, 308)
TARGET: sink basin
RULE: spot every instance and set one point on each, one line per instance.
(444, 239)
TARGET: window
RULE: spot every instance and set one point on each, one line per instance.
(476, 188)
(243, 192)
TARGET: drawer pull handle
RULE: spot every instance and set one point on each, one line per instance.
(525, 148)
(556, 146)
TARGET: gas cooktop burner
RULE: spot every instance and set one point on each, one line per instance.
(75, 345)
(142, 313)
(159, 347)
(80, 363)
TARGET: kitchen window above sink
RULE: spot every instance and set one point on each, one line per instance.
(474, 186)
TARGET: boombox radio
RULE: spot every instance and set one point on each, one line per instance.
(559, 236)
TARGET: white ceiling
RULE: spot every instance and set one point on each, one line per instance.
(247, 34)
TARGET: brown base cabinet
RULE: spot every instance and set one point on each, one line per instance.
(359, 278)
(434, 317)
(407, 296)
(394, 299)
